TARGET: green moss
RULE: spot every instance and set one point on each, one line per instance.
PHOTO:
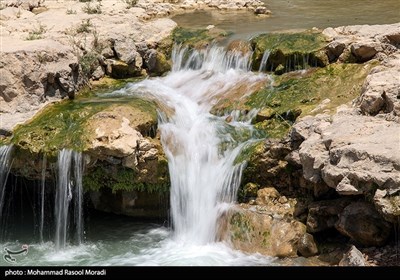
(118, 178)
(249, 190)
(289, 51)
(240, 226)
(299, 93)
(56, 127)
(276, 127)
(105, 85)
(266, 238)
(197, 37)
(249, 150)
(63, 124)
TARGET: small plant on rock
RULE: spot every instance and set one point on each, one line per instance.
(89, 9)
(70, 12)
(84, 27)
(130, 3)
(37, 33)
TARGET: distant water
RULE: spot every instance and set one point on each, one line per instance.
(296, 15)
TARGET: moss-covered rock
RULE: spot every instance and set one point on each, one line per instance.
(297, 94)
(290, 51)
(120, 70)
(63, 125)
(198, 37)
(117, 136)
(256, 229)
(117, 178)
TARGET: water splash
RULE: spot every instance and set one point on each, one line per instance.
(201, 148)
(5, 166)
(69, 176)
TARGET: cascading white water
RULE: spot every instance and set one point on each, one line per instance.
(5, 166)
(200, 148)
(264, 60)
(69, 177)
(42, 192)
(78, 192)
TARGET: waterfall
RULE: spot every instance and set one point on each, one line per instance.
(42, 194)
(69, 177)
(264, 60)
(78, 214)
(5, 166)
(201, 148)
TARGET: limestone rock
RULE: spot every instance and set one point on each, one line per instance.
(362, 223)
(55, 64)
(380, 92)
(355, 151)
(353, 257)
(360, 43)
(115, 133)
(240, 46)
(252, 231)
(156, 62)
(126, 51)
(307, 247)
(388, 205)
(30, 79)
(365, 51)
(351, 147)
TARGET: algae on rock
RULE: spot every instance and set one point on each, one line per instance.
(290, 51)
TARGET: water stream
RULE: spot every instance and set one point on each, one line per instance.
(5, 166)
(69, 186)
(203, 175)
(202, 151)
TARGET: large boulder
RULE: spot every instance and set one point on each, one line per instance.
(363, 224)
(267, 227)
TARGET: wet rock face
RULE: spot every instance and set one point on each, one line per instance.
(289, 51)
(267, 227)
(362, 223)
(131, 203)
